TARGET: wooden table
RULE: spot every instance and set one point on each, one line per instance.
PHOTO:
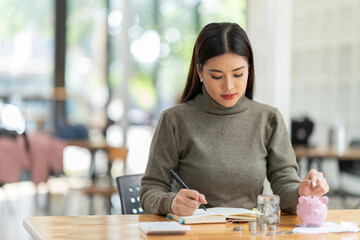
(318, 154)
(91, 146)
(125, 227)
(113, 153)
(327, 152)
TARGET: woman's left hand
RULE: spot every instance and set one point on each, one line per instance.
(314, 184)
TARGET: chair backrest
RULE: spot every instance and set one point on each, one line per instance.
(128, 188)
(301, 130)
(355, 143)
(117, 153)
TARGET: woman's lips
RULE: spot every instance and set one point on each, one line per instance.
(228, 96)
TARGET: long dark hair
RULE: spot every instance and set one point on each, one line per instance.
(214, 40)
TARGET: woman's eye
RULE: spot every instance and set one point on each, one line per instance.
(214, 77)
(239, 75)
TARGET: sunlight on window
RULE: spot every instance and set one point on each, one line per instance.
(135, 31)
(13, 191)
(168, 7)
(99, 97)
(76, 161)
(22, 51)
(115, 19)
(192, 3)
(12, 119)
(83, 65)
(138, 116)
(114, 136)
(115, 110)
(147, 48)
(165, 50)
(86, 61)
(172, 35)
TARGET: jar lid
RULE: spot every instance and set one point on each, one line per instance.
(263, 198)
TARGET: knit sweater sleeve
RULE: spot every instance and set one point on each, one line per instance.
(282, 169)
(155, 192)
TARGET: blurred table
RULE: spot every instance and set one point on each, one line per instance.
(318, 154)
(100, 189)
(92, 147)
(326, 152)
(125, 227)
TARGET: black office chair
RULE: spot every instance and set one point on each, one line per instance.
(351, 167)
(301, 130)
(128, 188)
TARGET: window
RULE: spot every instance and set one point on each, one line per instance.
(26, 59)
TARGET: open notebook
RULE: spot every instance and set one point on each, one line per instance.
(216, 215)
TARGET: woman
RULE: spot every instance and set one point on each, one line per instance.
(220, 142)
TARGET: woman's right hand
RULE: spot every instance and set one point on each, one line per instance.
(186, 202)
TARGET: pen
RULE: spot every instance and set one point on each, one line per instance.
(176, 177)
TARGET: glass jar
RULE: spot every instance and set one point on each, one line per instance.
(269, 209)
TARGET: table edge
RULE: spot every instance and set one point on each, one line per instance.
(34, 233)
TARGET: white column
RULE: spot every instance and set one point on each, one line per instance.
(123, 52)
(269, 29)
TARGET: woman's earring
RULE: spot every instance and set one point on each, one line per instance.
(201, 80)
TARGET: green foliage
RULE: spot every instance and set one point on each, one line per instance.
(81, 20)
(142, 91)
(16, 15)
(223, 11)
(186, 17)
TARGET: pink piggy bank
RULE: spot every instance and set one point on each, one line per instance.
(312, 210)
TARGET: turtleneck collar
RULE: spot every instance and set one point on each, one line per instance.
(206, 104)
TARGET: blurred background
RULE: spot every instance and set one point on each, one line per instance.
(95, 75)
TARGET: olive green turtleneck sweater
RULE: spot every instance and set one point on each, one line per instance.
(224, 153)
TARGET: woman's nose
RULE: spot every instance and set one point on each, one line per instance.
(228, 83)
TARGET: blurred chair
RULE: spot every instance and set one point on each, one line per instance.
(128, 188)
(71, 132)
(14, 152)
(351, 167)
(114, 153)
(301, 130)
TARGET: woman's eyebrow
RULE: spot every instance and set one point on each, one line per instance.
(236, 69)
(215, 70)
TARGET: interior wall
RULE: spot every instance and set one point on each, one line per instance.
(307, 58)
(325, 77)
(323, 47)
